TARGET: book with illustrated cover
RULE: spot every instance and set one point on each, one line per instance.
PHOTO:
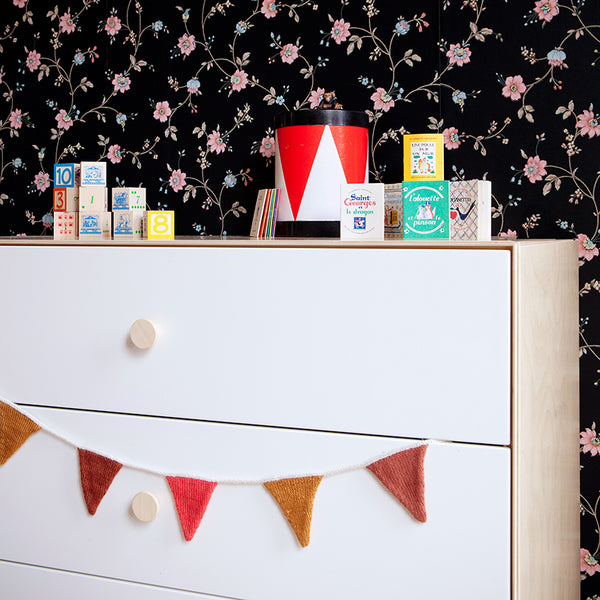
(471, 210)
(361, 211)
(423, 155)
(425, 209)
(392, 194)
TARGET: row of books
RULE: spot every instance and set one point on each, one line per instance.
(265, 214)
(417, 210)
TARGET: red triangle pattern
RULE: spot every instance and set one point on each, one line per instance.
(191, 500)
(298, 145)
(352, 145)
(97, 474)
(403, 475)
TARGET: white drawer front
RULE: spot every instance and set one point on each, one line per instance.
(364, 544)
(413, 343)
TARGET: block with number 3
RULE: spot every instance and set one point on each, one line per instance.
(159, 225)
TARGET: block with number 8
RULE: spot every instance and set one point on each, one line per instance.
(159, 225)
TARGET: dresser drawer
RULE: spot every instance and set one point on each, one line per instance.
(412, 343)
(364, 544)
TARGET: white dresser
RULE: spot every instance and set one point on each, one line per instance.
(287, 358)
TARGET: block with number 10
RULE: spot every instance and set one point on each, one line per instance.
(159, 225)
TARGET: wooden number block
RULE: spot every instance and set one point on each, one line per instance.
(95, 226)
(127, 224)
(128, 198)
(66, 199)
(93, 198)
(66, 175)
(65, 226)
(159, 225)
(93, 173)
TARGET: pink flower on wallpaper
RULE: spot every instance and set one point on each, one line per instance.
(177, 180)
(289, 53)
(458, 55)
(588, 564)
(316, 96)
(556, 57)
(216, 143)
(63, 119)
(513, 87)
(162, 111)
(340, 31)
(588, 123)
(121, 83)
(114, 154)
(587, 248)
(546, 9)
(239, 80)
(42, 181)
(451, 138)
(66, 23)
(20, 3)
(509, 234)
(382, 100)
(15, 119)
(535, 168)
(113, 24)
(267, 147)
(269, 9)
(186, 43)
(33, 60)
(590, 441)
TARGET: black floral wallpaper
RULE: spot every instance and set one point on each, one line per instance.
(182, 99)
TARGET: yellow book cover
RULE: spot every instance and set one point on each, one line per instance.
(423, 157)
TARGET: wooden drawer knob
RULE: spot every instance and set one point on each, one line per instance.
(143, 334)
(145, 506)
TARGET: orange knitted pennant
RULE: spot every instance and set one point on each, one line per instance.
(97, 474)
(403, 475)
(296, 497)
(15, 429)
(191, 500)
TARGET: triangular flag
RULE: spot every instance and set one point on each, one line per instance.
(298, 145)
(352, 144)
(403, 475)
(97, 473)
(191, 499)
(296, 497)
(15, 429)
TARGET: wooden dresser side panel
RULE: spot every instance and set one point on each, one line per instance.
(545, 422)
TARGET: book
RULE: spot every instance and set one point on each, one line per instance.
(425, 210)
(392, 224)
(265, 214)
(361, 211)
(261, 198)
(471, 210)
(423, 157)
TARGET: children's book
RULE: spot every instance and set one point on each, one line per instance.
(362, 211)
(423, 157)
(392, 225)
(471, 210)
(425, 209)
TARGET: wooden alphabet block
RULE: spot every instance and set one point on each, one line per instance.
(93, 198)
(159, 225)
(65, 226)
(95, 226)
(66, 175)
(128, 224)
(66, 199)
(93, 173)
(128, 198)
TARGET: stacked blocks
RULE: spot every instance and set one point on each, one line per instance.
(65, 200)
(129, 207)
(94, 218)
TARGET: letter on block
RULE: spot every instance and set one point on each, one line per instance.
(66, 199)
(95, 226)
(66, 176)
(93, 173)
(93, 198)
(159, 225)
(65, 226)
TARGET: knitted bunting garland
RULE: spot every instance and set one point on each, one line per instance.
(191, 499)
(402, 473)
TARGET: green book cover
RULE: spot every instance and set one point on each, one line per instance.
(426, 210)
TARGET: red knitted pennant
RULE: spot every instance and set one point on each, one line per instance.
(97, 473)
(15, 429)
(191, 499)
(403, 475)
